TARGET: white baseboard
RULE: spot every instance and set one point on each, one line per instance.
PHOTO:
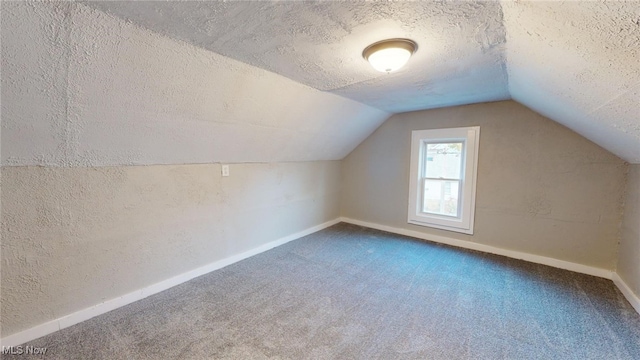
(99, 309)
(579, 268)
(104, 307)
(633, 299)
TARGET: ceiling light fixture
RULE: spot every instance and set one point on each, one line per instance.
(389, 55)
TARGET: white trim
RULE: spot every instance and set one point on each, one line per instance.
(633, 299)
(561, 264)
(104, 307)
(464, 221)
(101, 308)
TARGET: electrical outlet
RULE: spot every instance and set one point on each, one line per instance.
(225, 170)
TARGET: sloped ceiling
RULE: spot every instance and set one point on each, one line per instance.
(319, 44)
(185, 82)
(84, 88)
(578, 62)
(575, 62)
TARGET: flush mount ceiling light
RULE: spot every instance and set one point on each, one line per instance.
(389, 55)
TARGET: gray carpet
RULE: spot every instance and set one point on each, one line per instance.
(354, 293)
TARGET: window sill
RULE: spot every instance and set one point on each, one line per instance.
(441, 227)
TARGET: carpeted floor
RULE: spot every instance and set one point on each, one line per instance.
(354, 293)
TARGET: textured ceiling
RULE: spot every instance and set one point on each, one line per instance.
(459, 60)
(575, 62)
(579, 64)
(84, 88)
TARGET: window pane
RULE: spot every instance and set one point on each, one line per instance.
(441, 197)
(443, 160)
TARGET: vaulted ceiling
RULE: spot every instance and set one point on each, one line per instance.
(138, 82)
(575, 62)
(460, 60)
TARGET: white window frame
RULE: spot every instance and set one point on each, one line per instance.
(470, 137)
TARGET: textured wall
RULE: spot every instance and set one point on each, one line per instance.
(74, 237)
(84, 96)
(629, 249)
(83, 88)
(542, 189)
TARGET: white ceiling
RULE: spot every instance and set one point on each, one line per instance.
(575, 62)
(84, 88)
(579, 64)
(460, 58)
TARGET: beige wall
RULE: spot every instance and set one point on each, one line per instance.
(629, 249)
(542, 189)
(89, 227)
(88, 96)
(74, 237)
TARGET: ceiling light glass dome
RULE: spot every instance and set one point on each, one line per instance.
(389, 55)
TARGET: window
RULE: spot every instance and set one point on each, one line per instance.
(442, 191)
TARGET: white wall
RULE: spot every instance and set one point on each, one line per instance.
(629, 250)
(542, 189)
